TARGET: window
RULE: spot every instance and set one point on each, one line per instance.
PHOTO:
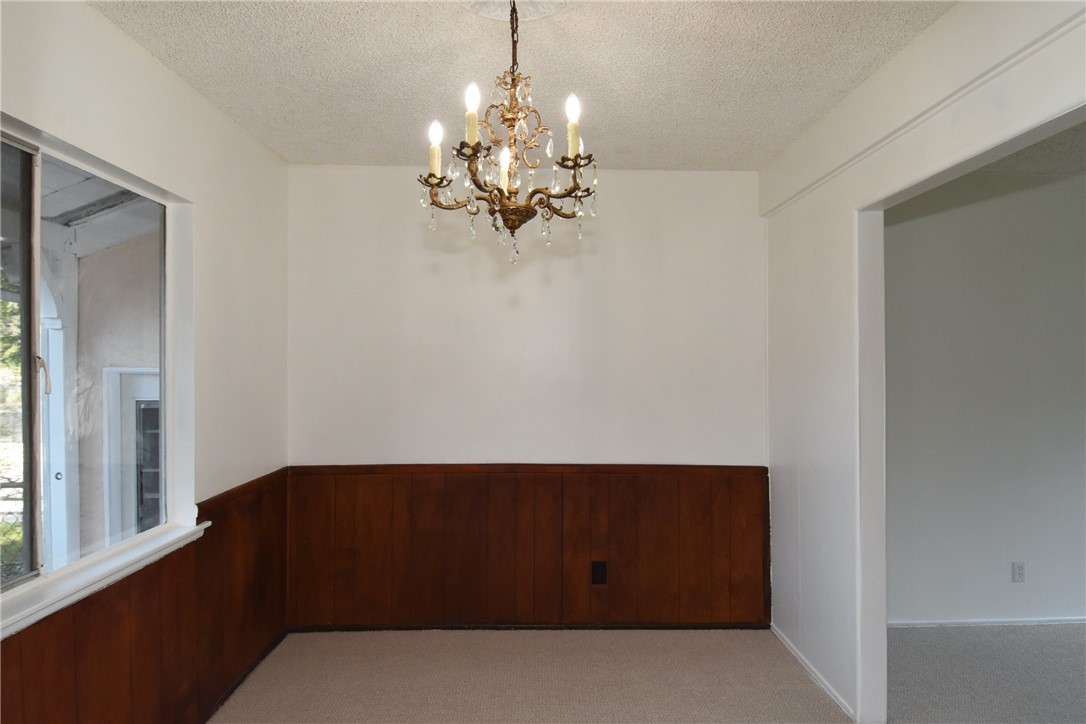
(17, 533)
(82, 293)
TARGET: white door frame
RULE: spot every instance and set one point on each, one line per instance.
(871, 380)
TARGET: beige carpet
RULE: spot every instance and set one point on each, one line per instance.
(530, 676)
(987, 674)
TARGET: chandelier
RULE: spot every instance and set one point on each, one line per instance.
(498, 172)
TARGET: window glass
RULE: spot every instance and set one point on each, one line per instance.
(81, 303)
(16, 451)
(100, 286)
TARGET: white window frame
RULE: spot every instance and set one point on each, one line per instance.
(30, 601)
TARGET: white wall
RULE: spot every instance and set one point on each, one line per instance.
(645, 343)
(985, 400)
(983, 74)
(71, 74)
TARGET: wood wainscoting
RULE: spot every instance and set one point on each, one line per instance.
(396, 546)
(492, 545)
(170, 641)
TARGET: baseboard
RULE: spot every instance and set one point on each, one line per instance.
(813, 672)
(985, 622)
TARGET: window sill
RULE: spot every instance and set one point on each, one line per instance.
(32, 601)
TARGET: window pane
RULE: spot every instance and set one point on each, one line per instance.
(16, 480)
(102, 250)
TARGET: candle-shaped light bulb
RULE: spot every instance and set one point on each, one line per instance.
(471, 118)
(573, 129)
(503, 169)
(436, 132)
(573, 109)
(435, 148)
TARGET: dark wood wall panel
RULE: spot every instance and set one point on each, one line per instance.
(501, 548)
(513, 545)
(622, 527)
(11, 679)
(103, 662)
(695, 548)
(345, 552)
(468, 545)
(749, 547)
(658, 548)
(576, 548)
(313, 527)
(548, 548)
(721, 550)
(598, 531)
(525, 548)
(170, 641)
(48, 670)
(466, 519)
(426, 572)
(377, 546)
(145, 604)
(373, 562)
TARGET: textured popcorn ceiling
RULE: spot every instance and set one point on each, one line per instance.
(663, 85)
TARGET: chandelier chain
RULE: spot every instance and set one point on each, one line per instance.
(514, 32)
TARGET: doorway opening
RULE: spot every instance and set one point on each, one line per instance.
(985, 418)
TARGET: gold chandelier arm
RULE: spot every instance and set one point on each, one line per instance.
(470, 154)
(574, 191)
(473, 175)
(436, 183)
(533, 142)
(549, 210)
(486, 123)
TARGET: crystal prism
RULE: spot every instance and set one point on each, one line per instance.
(424, 199)
(433, 221)
(514, 253)
(594, 208)
(497, 97)
(595, 178)
(550, 146)
(580, 232)
(521, 129)
(496, 222)
(577, 208)
(471, 225)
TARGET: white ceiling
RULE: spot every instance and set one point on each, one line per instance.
(663, 85)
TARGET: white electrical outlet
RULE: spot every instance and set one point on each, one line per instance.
(1018, 572)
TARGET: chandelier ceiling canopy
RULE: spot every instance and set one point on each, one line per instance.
(499, 156)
